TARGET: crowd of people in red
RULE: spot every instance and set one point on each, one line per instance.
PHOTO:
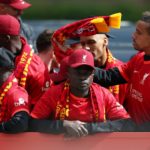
(71, 83)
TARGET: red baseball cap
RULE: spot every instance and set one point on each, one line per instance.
(9, 25)
(81, 57)
(17, 4)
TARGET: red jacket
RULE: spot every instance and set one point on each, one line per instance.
(54, 103)
(13, 99)
(32, 73)
(137, 73)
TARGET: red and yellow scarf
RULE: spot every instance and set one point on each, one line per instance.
(22, 64)
(84, 27)
(111, 61)
(5, 88)
(62, 108)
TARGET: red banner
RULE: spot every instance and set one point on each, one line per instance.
(101, 141)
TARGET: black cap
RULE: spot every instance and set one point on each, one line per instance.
(110, 36)
(72, 41)
(77, 39)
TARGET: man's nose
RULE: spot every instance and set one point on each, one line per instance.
(82, 77)
(133, 35)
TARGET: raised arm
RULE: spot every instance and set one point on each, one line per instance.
(108, 77)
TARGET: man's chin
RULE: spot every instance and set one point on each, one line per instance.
(83, 88)
(137, 49)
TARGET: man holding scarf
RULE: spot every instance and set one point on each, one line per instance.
(92, 33)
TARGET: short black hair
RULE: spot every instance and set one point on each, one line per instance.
(44, 40)
(146, 18)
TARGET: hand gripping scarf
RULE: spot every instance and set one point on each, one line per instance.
(85, 27)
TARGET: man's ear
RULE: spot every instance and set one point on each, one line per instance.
(106, 41)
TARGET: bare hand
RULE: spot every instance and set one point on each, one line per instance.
(74, 128)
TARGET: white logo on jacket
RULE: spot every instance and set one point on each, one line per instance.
(119, 106)
(135, 94)
(20, 102)
(144, 78)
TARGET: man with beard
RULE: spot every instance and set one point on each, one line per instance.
(136, 72)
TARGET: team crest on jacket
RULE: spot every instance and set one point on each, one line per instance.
(47, 85)
(20, 102)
